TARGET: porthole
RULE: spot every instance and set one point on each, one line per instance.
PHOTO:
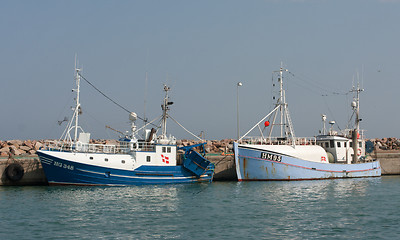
(123, 161)
(91, 158)
(106, 159)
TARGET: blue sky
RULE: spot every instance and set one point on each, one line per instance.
(201, 49)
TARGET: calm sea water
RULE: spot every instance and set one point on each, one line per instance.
(366, 208)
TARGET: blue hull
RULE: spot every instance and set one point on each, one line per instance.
(250, 166)
(60, 171)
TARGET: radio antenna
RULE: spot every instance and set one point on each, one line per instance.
(145, 99)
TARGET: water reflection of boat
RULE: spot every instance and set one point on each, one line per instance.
(289, 158)
(133, 161)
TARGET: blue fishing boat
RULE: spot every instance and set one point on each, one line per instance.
(286, 157)
(132, 161)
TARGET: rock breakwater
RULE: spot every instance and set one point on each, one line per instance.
(386, 143)
(29, 147)
(20, 147)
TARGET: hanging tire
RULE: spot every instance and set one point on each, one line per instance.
(14, 172)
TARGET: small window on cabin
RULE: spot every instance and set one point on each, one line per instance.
(332, 145)
(338, 144)
(163, 149)
(326, 144)
(122, 161)
(91, 158)
(360, 144)
(351, 144)
(345, 144)
(106, 159)
(168, 149)
(148, 158)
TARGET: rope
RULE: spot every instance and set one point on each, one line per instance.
(185, 128)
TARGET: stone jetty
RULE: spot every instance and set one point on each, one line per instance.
(29, 147)
(386, 143)
(23, 152)
(19, 147)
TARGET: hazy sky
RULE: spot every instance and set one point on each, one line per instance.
(202, 49)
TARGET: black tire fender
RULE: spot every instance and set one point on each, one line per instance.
(14, 172)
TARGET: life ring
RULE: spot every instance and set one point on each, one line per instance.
(359, 152)
(14, 172)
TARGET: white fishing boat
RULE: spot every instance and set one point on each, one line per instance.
(73, 160)
(287, 157)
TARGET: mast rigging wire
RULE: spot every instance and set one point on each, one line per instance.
(110, 98)
(185, 128)
(317, 89)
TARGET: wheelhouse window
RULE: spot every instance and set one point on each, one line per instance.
(332, 145)
(163, 149)
(168, 149)
(148, 158)
(326, 145)
(338, 144)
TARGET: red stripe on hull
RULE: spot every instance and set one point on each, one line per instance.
(301, 179)
(322, 170)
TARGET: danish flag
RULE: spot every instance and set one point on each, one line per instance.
(323, 159)
(165, 159)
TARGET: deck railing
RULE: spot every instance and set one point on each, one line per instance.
(280, 141)
(121, 148)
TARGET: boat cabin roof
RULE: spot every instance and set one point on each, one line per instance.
(330, 137)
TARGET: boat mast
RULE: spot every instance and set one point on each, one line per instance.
(281, 100)
(356, 107)
(285, 121)
(165, 109)
(78, 105)
(286, 126)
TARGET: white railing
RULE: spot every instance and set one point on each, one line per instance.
(122, 148)
(347, 133)
(279, 141)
